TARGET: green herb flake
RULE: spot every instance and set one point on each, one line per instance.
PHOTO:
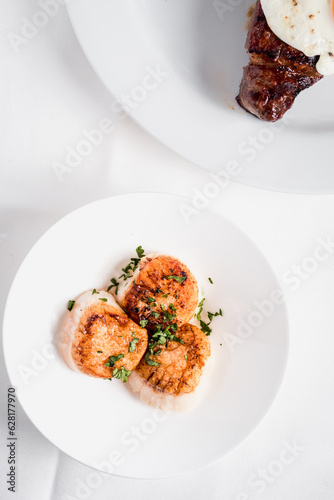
(143, 322)
(179, 279)
(126, 272)
(200, 309)
(132, 266)
(165, 296)
(168, 316)
(214, 315)
(205, 328)
(99, 352)
(121, 373)
(133, 344)
(161, 336)
(113, 360)
(70, 304)
(155, 314)
(210, 281)
(186, 357)
(151, 362)
(115, 284)
(103, 299)
(140, 252)
(150, 300)
(94, 291)
(176, 339)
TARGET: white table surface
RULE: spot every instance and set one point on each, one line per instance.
(49, 96)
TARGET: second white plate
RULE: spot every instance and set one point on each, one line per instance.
(176, 67)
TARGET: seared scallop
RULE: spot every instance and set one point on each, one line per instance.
(168, 378)
(99, 339)
(162, 291)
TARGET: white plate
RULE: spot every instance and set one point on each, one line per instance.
(191, 109)
(88, 418)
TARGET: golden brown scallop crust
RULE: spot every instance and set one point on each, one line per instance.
(180, 366)
(154, 294)
(104, 328)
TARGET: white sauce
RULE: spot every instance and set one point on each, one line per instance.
(306, 25)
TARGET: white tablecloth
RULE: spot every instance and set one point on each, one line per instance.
(49, 96)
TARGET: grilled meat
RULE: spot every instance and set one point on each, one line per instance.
(276, 73)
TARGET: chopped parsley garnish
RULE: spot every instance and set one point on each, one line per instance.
(114, 284)
(165, 296)
(150, 300)
(205, 326)
(163, 335)
(99, 352)
(176, 339)
(121, 373)
(133, 344)
(161, 341)
(200, 309)
(103, 299)
(94, 291)
(126, 272)
(214, 315)
(168, 316)
(132, 266)
(143, 322)
(210, 281)
(179, 279)
(140, 252)
(151, 362)
(155, 314)
(70, 304)
(186, 357)
(113, 360)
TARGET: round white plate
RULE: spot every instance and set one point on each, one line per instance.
(176, 66)
(101, 423)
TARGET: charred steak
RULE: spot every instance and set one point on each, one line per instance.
(276, 72)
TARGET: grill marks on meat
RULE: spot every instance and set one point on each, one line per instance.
(276, 73)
